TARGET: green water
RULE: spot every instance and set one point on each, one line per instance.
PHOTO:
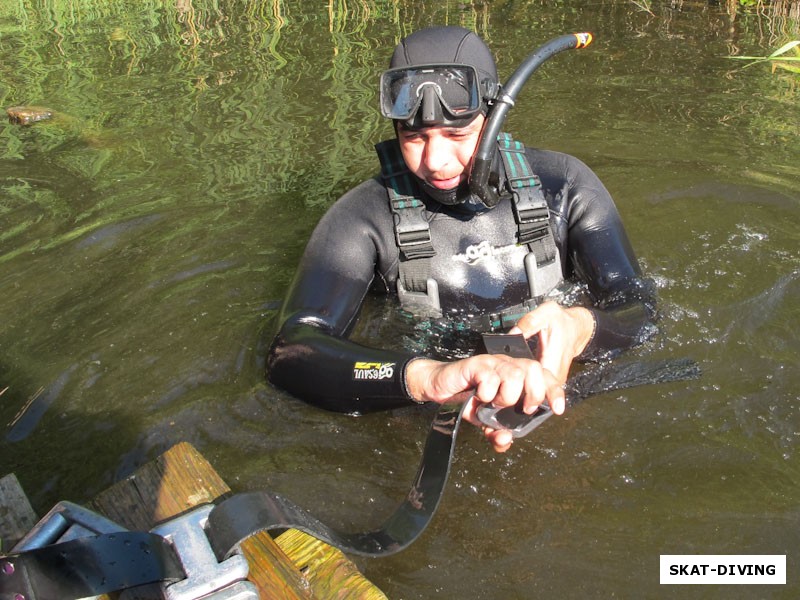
(149, 232)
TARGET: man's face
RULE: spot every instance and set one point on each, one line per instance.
(440, 156)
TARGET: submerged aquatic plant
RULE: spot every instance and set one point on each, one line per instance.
(644, 6)
(777, 58)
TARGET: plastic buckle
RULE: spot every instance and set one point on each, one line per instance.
(531, 212)
(205, 577)
(412, 231)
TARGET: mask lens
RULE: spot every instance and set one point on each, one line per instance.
(456, 87)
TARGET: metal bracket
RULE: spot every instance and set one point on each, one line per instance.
(65, 521)
(205, 577)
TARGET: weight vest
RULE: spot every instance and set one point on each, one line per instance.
(417, 290)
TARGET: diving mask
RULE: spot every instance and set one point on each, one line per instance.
(431, 95)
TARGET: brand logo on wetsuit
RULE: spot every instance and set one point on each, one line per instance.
(476, 252)
(373, 370)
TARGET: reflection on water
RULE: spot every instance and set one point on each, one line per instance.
(150, 229)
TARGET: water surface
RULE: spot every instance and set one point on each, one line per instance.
(149, 233)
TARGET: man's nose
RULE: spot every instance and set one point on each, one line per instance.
(438, 153)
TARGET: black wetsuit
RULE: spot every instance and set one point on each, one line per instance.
(478, 267)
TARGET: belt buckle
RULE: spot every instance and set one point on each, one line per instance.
(205, 577)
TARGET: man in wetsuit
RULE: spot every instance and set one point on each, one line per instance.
(474, 266)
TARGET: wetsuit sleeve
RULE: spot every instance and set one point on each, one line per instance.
(598, 253)
(311, 357)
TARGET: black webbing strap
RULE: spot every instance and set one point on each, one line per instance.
(235, 519)
(411, 229)
(242, 515)
(530, 207)
(502, 320)
(88, 566)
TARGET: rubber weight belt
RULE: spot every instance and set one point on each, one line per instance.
(97, 565)
(242, 515)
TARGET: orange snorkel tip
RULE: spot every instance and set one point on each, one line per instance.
(485, 152)
(584, 39)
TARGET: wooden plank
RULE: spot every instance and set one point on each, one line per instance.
(173, 483)
(329, 572)
(177, 481)
(181, 479)
(17, 517)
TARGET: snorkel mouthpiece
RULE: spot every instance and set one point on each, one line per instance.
(482, 161)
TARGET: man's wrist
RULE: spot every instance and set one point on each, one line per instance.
(411, 380)
(585, 327)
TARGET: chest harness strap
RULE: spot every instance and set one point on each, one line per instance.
(542, 264)
(417, 290)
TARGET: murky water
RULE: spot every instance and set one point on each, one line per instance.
(149, 231)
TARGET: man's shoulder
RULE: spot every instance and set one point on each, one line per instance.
(367, 192)
(551, 157)
(555, 164)
(366, 202)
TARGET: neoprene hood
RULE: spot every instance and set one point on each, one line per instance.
(447, 45)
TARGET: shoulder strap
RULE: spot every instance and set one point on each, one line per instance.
(542, 264)
(412, 233)
(530, 207)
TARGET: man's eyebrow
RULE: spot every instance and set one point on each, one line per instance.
(447, 129)
(467, 129)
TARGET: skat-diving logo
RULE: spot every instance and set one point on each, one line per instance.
(373, 370)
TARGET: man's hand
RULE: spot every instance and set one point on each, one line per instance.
(486, 378)
(563, 334)
(503, 381)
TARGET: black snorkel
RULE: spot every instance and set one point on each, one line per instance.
(482, 161)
